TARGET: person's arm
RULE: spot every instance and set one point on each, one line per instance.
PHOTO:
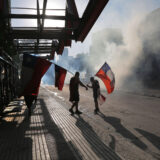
(83, 85)
(89, 86)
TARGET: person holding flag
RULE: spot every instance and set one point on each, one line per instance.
(60, 74)
(74, 92)
(33, 69)
(96, 92)
(107, 76)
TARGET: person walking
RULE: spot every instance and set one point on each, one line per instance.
(29, 101)
(96, 93)
(74, 92)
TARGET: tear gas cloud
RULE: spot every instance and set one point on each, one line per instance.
(120, 49)
(71, 64)
(133, 52)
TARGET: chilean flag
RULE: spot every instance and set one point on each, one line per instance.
(60, 74)
(33, 69)
(101, 99)
(107, 76)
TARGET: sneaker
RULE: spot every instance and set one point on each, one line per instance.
(78, 112)
(71, 111)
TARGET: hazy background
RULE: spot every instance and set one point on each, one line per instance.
(126, 36)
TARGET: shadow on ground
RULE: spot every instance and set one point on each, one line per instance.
(13, 143)
(96, 144)
(116, 123)
(57, 145)
(154, 139)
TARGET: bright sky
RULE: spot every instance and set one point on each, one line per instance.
(115, 15)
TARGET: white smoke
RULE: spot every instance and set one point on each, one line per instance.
(121, 55)
(121, 49)
(124, 49)
(131, 52)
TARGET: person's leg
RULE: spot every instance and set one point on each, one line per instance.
(76, 104)
(35, 99)
(29, 100)
(28, 103)
(71, 109)
(77, 110)
(96, 105)
(73, 105)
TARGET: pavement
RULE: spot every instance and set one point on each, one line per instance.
(144, 92)
(49, 133)
(127, 128)
(22, 137)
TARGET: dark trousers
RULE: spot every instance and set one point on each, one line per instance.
(29, 100)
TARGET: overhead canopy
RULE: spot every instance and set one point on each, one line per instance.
(40, 28)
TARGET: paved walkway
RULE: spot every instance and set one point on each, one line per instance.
(50, 133)
(21, 137)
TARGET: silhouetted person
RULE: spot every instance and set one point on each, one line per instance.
(29, 101)
(96, 92)
(35, 99)
(74, 92)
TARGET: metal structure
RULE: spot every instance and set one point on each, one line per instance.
(39, 38)
(42, 39)
(8, 80)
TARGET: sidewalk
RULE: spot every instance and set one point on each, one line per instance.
(21, 137)
(50, 133)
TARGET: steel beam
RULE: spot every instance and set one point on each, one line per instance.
(34, 16)
(43, 13)
(90, 15)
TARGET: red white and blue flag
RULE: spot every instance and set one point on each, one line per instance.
(107, 76)
(101, 99)
(60, 74)
(33, 69)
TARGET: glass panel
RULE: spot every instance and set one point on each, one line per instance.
(24, 3)
(54, 23)
(56, 4)
(55, 12)
(23, 22)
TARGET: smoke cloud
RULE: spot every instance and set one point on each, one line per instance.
(133, 53)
